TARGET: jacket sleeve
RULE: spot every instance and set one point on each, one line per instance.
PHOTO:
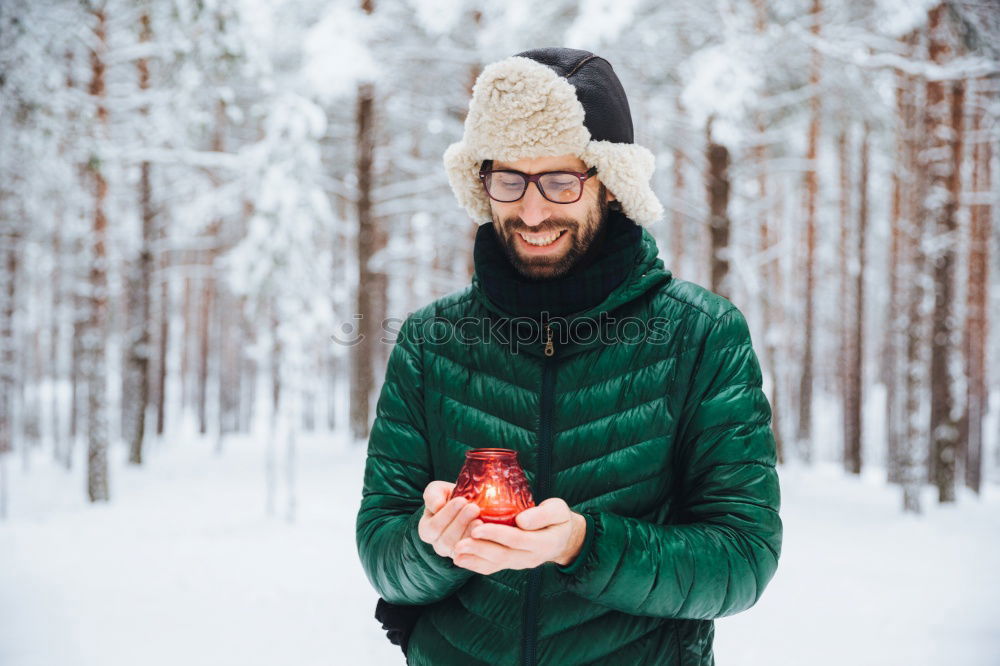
(723, 544)
(401, 567)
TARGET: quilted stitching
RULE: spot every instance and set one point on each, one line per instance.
(703, 464)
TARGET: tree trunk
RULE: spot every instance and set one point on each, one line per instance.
(771, 299)
(771, 291)
(474, 70)
(163, 330)
(228, 349)
(29, 414)
(942, 156)
(11, 237)
(139, 353)
(891, 345)
(249, 370)
(914, 384)
(854, 362)
(62, 442)
(76, 378)
(94, 369)
(30, 374)
(804, 434)
(131, 332)
(844, 289)
(56, 342)
(210, 287)
(717, 183)
(275, 431)
(141, 350)
(977, 297)
(204, 343)
(676, 217)
(364, 352)
(187, 335)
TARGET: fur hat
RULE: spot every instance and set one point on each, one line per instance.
(552, 101)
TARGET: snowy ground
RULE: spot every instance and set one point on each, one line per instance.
(185, 566)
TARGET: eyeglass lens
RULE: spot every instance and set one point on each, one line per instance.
(507, 186)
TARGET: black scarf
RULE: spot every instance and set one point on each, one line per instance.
(603, 266)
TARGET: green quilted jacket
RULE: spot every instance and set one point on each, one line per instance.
(665, 446)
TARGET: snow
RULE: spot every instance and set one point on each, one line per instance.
(600, 22)
(859, 582)
(337, 58)
(185, 566)
(721, 82)
(898, 17)
(438, 17)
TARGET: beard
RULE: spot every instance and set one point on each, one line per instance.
(582, 238)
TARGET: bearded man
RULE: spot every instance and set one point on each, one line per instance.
(633, 400)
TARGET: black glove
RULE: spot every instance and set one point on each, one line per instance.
(397, 621)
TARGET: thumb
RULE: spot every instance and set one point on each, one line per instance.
(437, 494)
(526, 520)
(551, 511)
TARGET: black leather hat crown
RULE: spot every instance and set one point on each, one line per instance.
(605, 106)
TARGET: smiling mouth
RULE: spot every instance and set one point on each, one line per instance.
(541, 240)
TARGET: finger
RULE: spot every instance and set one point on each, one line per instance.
(432, 525)
(476, 522)
(488, 550)
(454, 531)
(436, 495)
(476, 564)
(511, 537)
(508, 560)
(550, 512)
(448, 512)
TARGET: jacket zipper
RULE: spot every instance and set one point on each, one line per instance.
(543, 482)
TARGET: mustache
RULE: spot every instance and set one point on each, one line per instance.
(515, 224)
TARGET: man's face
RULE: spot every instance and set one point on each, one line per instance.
(526, 226)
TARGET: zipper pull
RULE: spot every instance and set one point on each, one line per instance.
(550, 348)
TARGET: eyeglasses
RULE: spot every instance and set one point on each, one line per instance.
(507, 186)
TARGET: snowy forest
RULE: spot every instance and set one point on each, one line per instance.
(214, 214)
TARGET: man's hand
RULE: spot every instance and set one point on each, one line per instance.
(549, 532)
(446, 521)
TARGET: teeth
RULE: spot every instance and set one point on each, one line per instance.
(541, 240)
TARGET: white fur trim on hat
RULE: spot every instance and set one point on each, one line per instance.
(521, 109)
(626, 169)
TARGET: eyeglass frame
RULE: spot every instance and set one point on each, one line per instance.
(530, 178)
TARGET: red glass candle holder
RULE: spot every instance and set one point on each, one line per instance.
(493, 479)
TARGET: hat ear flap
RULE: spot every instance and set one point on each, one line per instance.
(626, 169)
(462, 167)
